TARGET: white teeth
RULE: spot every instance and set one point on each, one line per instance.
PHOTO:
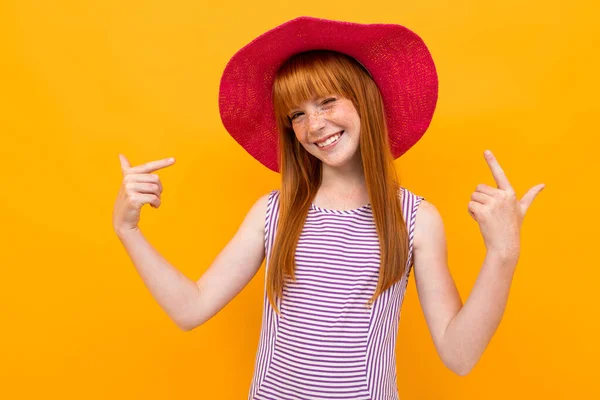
(330, 140)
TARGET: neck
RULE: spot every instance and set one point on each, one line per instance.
(348, 180)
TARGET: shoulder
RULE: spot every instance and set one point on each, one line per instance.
(262, 203)
(257, 213)
(429, 225)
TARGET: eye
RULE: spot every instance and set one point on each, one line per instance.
(294, 115)
(326, 101)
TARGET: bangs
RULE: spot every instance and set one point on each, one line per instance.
(309, 75)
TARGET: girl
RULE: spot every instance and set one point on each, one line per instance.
(330, 105)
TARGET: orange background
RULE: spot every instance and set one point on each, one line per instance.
(83, 81)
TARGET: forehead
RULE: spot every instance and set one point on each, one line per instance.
(314, 100)
(303, 93)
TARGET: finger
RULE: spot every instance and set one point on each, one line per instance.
(142, 187)
(145, 198)
(125, 165)
(474, 209)
(497, 171)
(146, 178)
(472, 215)
(483, 188)
(530, 196)
(481, 198)
(152, 166)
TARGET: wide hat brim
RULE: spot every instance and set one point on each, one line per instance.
(397, 59)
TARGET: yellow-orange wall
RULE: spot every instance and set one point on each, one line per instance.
(82, 81)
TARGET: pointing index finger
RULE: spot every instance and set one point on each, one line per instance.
(152, 166)
(497, 171)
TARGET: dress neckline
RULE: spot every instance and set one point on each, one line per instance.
(334, 211)
(367, 206)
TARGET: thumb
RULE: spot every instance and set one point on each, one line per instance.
(125, 165)
(530, 196)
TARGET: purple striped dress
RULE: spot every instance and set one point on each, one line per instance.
(327, 344)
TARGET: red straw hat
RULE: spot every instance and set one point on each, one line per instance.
(396, 58)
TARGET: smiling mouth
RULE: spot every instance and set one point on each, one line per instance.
(331, 139)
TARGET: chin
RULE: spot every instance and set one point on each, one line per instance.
(337, 163)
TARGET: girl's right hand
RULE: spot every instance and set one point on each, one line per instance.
(140, 186)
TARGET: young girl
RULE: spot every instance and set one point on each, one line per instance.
(330, 105)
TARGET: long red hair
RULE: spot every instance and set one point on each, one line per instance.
(318, 74)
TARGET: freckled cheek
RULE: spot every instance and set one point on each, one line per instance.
(355, 126)
(300, 134)
(357, 123)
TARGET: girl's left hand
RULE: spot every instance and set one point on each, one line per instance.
(499, 213)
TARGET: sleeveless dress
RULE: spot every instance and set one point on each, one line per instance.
(327, 344)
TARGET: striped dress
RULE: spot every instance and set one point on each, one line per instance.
(327, 344)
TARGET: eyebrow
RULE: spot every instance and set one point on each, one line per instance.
(318, 99)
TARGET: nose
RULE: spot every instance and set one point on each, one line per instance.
(316, 121)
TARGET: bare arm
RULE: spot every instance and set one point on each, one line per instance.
(234, 267)
(189, 303)
(460, 333)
